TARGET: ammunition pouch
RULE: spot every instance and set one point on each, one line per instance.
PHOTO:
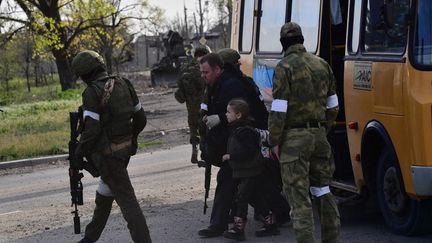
(115, 147)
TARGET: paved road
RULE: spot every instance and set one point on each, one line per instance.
(34, 206)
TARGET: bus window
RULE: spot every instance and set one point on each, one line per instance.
(386, 26)
(273, 17)
(423, 34)
(246, 24)
(355, 26)
(306, 13)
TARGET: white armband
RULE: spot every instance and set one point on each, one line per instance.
(91, 114)
(137, 107)
(319, 191)
(332, 101)
(204, 107)
(279, 105)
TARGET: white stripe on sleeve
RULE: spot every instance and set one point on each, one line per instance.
(137, 107)
(91, 114)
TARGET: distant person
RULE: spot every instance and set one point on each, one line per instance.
(247, 163)
(113, 118)
(191, 90)
(305, 105)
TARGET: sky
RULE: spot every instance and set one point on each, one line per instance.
(172, 7)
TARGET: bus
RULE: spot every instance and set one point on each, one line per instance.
(381, 55)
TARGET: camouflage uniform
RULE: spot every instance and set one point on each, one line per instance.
(387, 25)
(113, 118)
(190, 90)
(305, 103)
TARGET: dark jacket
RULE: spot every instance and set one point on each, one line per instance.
(254, 98)
(244, 149)
(228, 87)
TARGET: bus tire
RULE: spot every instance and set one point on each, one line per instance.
(402, 214)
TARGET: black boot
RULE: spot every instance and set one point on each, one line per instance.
(269, 228)
(210, 232)
(237, 231)
(194, 157)
(85, 240)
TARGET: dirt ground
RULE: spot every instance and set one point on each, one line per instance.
(166, 118)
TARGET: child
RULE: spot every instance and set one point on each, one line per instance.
(245, 158)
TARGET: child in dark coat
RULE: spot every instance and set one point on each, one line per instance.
(245, 158)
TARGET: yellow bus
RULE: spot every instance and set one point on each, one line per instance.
(381, 54)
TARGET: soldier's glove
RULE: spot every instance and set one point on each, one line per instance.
(212, 121)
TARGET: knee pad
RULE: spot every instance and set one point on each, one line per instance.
(104, 189)
(319, 191)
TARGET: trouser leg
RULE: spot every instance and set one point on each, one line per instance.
(117, 179)
(246, 190)
(295, 176)
(100, 217)
(193, 119)
(272, 187)
(223, 198)
(329, 218)
(322, 168)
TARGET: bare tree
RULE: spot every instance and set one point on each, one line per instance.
(224, 11)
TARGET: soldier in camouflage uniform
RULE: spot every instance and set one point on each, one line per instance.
(113, 118)
(387, 25)
(191, 90)
(305, 105)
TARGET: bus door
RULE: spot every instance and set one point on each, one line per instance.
(323, 25)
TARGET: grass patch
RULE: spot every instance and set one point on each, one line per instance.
(40, 128)
(18, 93)
(143, 144)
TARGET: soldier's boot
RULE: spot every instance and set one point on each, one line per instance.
(85, 240)
(100, 217)
(194, 158)
(237, 231)
(269, 228)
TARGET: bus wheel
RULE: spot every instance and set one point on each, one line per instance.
(402, 214)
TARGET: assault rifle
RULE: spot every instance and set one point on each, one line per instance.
(207, 174)
(75, 176)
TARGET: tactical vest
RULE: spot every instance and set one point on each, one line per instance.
(117, 108)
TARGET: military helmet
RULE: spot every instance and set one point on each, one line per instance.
(200, 51)
(290, 29)
(229, 55)
(86, 61)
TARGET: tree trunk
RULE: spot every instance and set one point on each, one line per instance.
(63, 68)
(36, 75)
(27, 73)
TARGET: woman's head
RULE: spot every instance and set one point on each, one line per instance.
(237, 109)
